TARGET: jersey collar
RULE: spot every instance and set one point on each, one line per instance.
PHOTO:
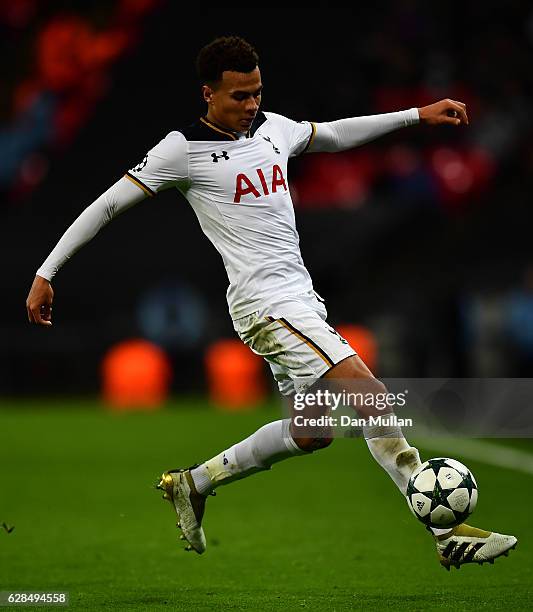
(232, 134)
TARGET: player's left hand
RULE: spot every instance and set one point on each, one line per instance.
(446, 111)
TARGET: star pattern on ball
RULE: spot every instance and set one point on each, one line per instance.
(432, 500)
(469, 482)
(437, 464)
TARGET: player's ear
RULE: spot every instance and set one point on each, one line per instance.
(207, 93)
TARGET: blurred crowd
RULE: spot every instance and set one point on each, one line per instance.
(423, 236)
(59, 69)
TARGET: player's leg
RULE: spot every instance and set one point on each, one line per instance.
(289, 356)
(387, 444)
(188, 488)
(268, 445)
(462, 544)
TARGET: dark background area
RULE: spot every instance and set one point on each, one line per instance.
(423, 236)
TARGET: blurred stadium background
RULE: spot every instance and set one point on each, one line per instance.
(420, 241)
(423, 236)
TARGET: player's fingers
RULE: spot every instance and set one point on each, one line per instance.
(463, 115)
(460, 103)
(33, 313)
(451, 118)
(36, 312)
(46, 314)
(460, 111)
(37, 318)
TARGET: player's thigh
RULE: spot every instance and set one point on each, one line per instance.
(310, 346)
(351, 367)
(296, 341)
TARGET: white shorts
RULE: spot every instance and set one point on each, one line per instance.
(293, 336)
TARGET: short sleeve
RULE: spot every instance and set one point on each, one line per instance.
(298, 134)
(163, 166)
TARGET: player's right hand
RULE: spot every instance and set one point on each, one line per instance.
(39, 302)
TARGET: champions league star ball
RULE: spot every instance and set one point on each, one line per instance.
(442, 493)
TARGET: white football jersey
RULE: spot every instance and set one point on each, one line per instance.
(238, 187)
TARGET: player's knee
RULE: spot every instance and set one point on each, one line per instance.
(378, 387)
(368, 386)
(367, 382)
(313, 444)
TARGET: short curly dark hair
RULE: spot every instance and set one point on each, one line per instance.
(225, 53)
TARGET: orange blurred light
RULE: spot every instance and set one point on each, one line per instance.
(136, 374)
(234, 375)
(362, 340)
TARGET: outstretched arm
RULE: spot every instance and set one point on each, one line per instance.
(121, 196)
(164, 166)
(348, 133)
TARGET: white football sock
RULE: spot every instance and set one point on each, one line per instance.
(268, 445)
(390, 449)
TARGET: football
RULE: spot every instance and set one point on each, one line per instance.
(442, 493)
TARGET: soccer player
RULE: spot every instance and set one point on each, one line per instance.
(231, 165)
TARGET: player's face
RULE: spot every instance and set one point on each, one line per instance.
(235, 100)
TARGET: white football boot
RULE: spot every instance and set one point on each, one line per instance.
(179, 489)
(465, 544)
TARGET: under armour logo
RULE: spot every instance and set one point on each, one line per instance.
(217, 157)
(267, 138)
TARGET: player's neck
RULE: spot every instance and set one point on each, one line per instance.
(219, 124)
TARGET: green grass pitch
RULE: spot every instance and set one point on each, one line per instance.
(324, 532)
